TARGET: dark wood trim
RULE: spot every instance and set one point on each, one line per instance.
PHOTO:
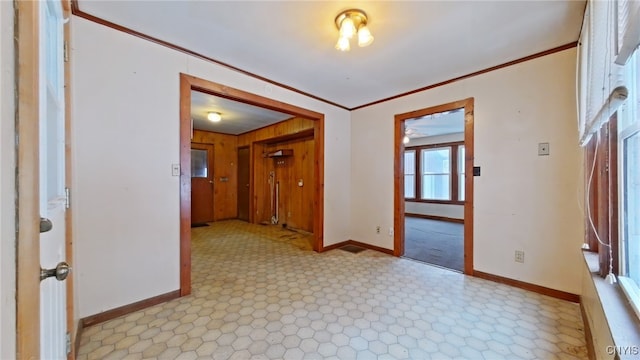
(304, 134)
(79, 13)
(185, 186)
(591, 198)
(399, 200)
(360, 244)
(434, 217)
(558, 294)
(68, 143)
(76, 345)
(588, 335)
(453, 180)
(127, 309)
(431, 146)
(480, 72)
(189, 83)
(370, 247)
(468, 185)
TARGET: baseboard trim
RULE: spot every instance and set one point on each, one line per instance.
(434, 217)
(591, 350)
(127, 309)
(371, 247)
(358, 243)
(528, 286)
(76, 344)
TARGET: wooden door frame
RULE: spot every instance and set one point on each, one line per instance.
(71, 325)
(189, 83)
(398, 182)
(27, 181)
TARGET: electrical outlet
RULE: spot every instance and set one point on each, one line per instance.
(519, 256)
(378, 230)
(390, 231)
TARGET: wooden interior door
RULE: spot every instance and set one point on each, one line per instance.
(202, 183)
(243, 183)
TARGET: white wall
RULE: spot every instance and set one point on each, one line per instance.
(444, 210)
(522, 201)
(126, 203)
(7, 186)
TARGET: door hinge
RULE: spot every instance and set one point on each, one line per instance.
(66, 51)
(67, 197)
(68, 343)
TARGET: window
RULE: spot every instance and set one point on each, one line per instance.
(52, 109)
(434, 173)
(629, 185)
(410, 174)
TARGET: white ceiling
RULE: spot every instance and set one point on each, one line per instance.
(417, 43)
(448, 122)
(237, 117)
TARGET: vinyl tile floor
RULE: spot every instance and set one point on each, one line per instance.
(259, 292)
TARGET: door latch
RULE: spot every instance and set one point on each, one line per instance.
(61, 271)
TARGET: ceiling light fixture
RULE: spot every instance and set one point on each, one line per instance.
(214, 116)
(351, 22)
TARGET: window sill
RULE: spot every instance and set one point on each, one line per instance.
(623, 323)
(446, 202)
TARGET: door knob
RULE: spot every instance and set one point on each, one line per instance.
(61, 271)
(45, 225)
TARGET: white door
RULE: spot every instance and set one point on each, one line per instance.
(53, 317)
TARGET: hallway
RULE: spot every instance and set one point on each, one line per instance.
(260, 292)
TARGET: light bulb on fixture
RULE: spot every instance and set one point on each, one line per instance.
(343, 44)
(214, 116)
(349, 23)
(347, 28)
(364, 36)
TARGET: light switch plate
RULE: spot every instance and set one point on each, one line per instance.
(543, 149)
(175, 169)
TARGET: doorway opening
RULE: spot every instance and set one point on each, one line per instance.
(259, 172)
(433, 184)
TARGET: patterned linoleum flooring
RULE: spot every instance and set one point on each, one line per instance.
(259, 292)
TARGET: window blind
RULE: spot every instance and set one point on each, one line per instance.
(601, 88)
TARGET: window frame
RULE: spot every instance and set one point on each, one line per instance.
(453, 178)
(414, 174)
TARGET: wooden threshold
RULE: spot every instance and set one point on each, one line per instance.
(558, 294)
(127, 309)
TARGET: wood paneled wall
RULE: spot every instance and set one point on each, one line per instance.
(294, 174)
(296, 202)
(284, 128)
(295, 205)
(225, 156)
